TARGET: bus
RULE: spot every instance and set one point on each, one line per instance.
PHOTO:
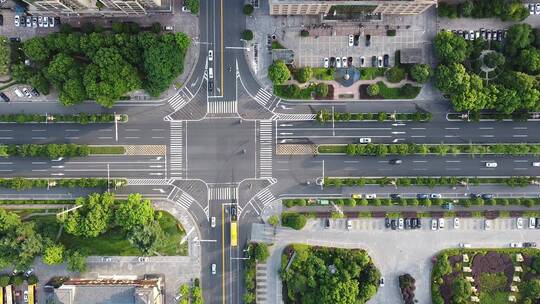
(31, 290)
(234, 236)
(9, 295)
(1, 295)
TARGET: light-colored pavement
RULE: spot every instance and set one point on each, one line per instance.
(394, 252)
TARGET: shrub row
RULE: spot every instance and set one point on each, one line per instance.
(477, 116)
(293, 220)
(423, 149)
(56, 150)
(515, 181)
(325, 116)
(19, 183)
(465, 202)
(82, 118)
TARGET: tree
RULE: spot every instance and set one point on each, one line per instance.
(321, 90)
(450, 48)
(519, 36)
(494, 59)
(447, 10)
(32, 279)
(373, 89)
(273, 220)
(146, 238)
(53, 254)
(40, 83)
(247, 35)
(260, 252)
(420, 72)
(76, 261)
(529, 60)
(248, 9)
(193, 6)
(278, 72)
(461, 291)
(72, 92)
(36, 49)
(293, 220)
(395, 74)
(525, 87)
(4, 280)
(532, 289)
(304, 74)
(466, 8)
(93, 218)
(474, 96)
(134, 212)
(162, 62)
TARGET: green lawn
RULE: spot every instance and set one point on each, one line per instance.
(371, 73)
(498, 297)
(107, 150)
(114, 241)
(332, 149)
(405, 92)
(323, 73)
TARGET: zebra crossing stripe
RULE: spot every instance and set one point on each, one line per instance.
(263, 97)
(177, 101)
(265, 154)
(176, 150)
(143, 182)
(184, 200)
(222, 193)
(222, 107)
(266, 197)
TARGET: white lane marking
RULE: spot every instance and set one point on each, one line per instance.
(487, 135)
(132, 130)
(38, 130)
(155, 173)
(131, 137)
(286, 133)
(452, 161)
(158, 130)
(485, 128)
(521, 161)
(420, 169)
(520, 168)
(105, 137)
(286, 125)
(351, 161)
(282, 161)
(39, 163)
(418, 136)
(39, 170)
(57, 174)
(418, 128)
(6, 138)
(453, 169)
(72, 137)
(450, 136)
(6, 163)
(6, 170)
(105, 130)
(57, 167)
(156, 166)
(351, 169)
(419, 161)
(520, 135)
(282, 169)
(5, 130)
(337, 136)
(72, 130)
(384, 169)
(520, 128)
(451, 128)
(39, 137)
(157, 137)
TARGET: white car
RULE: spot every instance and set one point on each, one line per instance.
(491, 165)
(17, 20)
(40, 21)
(143, 259)
(381, 282)
(516, 245)
(487, 224)
(434, 224)
(472, 35)
(26, 296)
(338, 62)
(184, 9)
(519, 223)
(326, 64)
(210, 55)
(351, 40)
(441, 223)
(536, 164)
(364, 140)
(51, 22)
(349, 224)
(344, 62)
(531, 9)
(435, 195)
(26, 92)
(371, 196)
(214, 269)
(532, 223)
(380, 62)
(464, 245)
(537, 9)
(456, 223)
(45, 22)
(400, 223)
(213, 221)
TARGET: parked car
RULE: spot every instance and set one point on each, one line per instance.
(214, 269)
(326, 63)
(422, 196)
(34, 92)
(17, 20)
(532, 222)
(210, 55)
(34, 22)
(356, 39)
(487, 224)
(26, 93)
(143, 259)
(364, 140)
(351, 40)
(368, 40)
(371, 196)
(434, 224)
(28, 21)
(465, 245)
(386, 60)
(386, 222)
(4, 97)
(40, 21)
(531, 9)
(374, 61)
(45, 22)
(456, 223)
(393, 224)
(51, 22)
(418, 223)
(395, 196)
(538, 223)
(487, 196)
(401, 223)
(213, 222)
(516, 245)
(537, 9)
(491, 164)
(475, 195)
(519, 223)
(349, 61)
(356, 195)
(349, 224)
(529, 244)
(441, 223)
(344, 62)
(338, 62)
(362, 61)
(407, 223)
(380, 62)
(326, 223)
(536, 164)
(381, 282)
(18, 93)
(435, 195)
(332, 62)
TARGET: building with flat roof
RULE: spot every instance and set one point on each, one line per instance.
(336, 7)
(82, 8)
(110, 291)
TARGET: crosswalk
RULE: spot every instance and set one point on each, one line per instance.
(221, 193)
(222, 107)
(265, 154)
(181, 198)
(295, 117)
(261, 286)
(176, 148)
(265, 197)
(181, 98)
(266, 99)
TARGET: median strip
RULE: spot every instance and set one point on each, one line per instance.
(324, 116)
(54, 151)
(80, 118)
(20, 183)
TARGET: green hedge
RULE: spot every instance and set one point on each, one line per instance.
(423, 149)
(371, 73)
(82, 118)
(419, 116)
(518, 181)
(107, 150)
(407, 91)
(293, 220)
(19, 183)
(57, 150)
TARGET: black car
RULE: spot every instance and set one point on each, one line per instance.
(211, 86)
(537, 225)
(326, 223)
(393, 224)
(368, 40)
(4, 97)
(356, 39)
(16, 39)
(408, 223)
(233, 212)
(374, 61)
(487, 196)
(418, 223)
(332, 62)
(35, 92)
(422, 196)
(529, 244)
(395, 196)
(386, 60)
(387, 222)
(475, 195)
(349, 61)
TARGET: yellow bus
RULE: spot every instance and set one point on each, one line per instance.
(234, 236)
(9, 295)
(31, 289)
(1, 295)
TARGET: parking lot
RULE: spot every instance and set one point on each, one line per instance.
(394, 252)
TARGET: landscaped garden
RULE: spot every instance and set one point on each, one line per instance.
(327, 275)
(488, 276)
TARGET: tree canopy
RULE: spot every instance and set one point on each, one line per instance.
(278, 72)
(451, 48)
(420, 72)
(19, 241)
(93, 218)
(134, 212)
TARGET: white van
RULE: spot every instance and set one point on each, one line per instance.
(18, 93)
(211, 73)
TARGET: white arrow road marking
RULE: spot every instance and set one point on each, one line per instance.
(286, 133)
(159, 158)
(57, 167)
(159, 189)
(285, 125)
(399, 132)
(57, 174)
(156, 166)
(155, 173)
(397, 139)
